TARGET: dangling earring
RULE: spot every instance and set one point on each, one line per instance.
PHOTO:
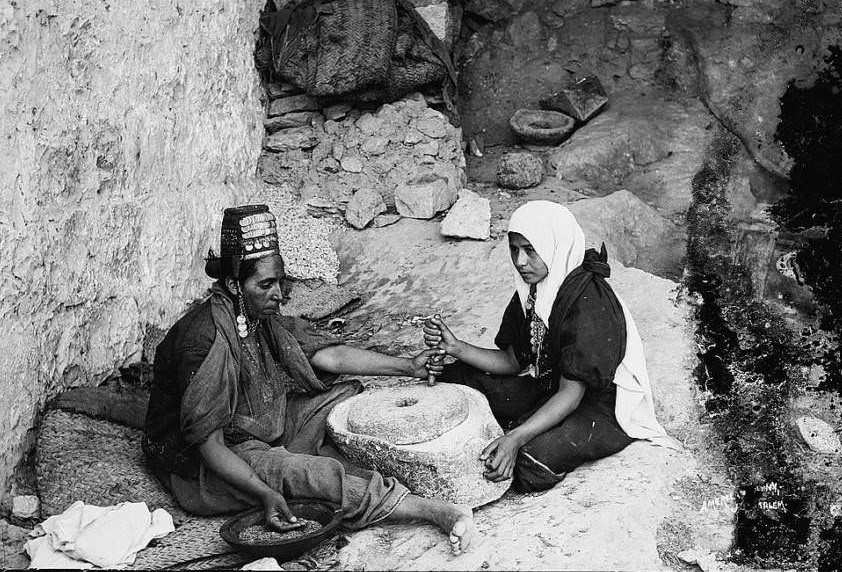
(242, 321)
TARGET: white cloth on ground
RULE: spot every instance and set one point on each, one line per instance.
(263, 564)
(87, 535)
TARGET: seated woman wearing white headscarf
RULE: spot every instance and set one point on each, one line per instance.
(568, 381)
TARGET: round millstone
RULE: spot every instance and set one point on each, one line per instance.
(408, 415)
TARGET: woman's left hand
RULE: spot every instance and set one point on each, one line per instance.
(499, 457)
(423, 365)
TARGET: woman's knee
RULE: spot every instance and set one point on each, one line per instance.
(301, 475)
(530, 475)
(559, 450)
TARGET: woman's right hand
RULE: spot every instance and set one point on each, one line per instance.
(276, 513)
(438, 335)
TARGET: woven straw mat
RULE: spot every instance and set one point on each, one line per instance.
(101, 463)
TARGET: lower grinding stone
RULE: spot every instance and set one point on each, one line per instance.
(445, 467)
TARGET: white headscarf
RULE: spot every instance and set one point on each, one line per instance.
(558, 239)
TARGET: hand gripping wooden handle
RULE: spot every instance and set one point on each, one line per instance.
(431, 379)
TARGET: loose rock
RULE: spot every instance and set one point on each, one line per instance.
(470, 217)
(519, 170)
(363, 207)
(635, 233)
(351, 164)
(370, 124)
(443, 19)
(26, 506)
(375, 145)
(338, 150)
(290, 104)
(295, 119)
(337, 112)
(818, 434)
(424, 200)
(582, 100)
(289, 139)
(431, 127)
(429, 148)
(412, 137)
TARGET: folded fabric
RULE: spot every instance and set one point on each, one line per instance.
(263, 564)
(87, 535)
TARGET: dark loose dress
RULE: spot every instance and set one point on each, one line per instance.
(585, 342)
(271, 406)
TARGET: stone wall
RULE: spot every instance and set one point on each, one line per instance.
(403, 158)
(126, 128)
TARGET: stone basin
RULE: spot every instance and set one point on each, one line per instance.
(541, 127)
(428, 438)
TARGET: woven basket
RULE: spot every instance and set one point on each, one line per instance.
(355, 46)
(414, 62)
(337, 47)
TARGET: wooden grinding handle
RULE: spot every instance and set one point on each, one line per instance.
(431, 379)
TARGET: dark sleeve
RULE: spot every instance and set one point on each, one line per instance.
(307, 337)
(208, 399)
(211, 398)
(512, 331)
(177, 359)
(183, 350)
(591, 340)
(194, 346)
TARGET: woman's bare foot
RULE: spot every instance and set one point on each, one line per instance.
(455, 520)
(459, 520)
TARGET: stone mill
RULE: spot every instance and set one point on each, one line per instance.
(429, 438)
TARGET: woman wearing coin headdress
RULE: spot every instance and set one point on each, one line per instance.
(225, 430)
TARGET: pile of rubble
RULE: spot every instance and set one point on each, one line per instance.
(370, 167)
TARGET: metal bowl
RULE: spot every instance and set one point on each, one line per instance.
(327, 515)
